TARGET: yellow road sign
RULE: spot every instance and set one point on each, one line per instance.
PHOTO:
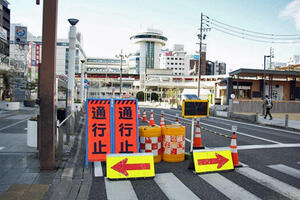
(208, 161)
(135, 165)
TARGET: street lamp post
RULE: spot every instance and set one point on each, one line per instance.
(82, 80)
(121, 56)
(71, 76)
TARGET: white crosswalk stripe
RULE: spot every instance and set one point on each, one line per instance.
(116, 190)
(228, 188)
(287, 170)
(98, 169)
(173, 187)
(270, 182)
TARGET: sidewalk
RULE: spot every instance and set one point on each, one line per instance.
(20, 175)
(279, 120)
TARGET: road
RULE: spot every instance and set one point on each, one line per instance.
(270, 158)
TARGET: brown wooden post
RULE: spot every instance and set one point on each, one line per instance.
(47, 86)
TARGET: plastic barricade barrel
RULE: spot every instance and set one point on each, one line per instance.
(150, 141)
(173, 145)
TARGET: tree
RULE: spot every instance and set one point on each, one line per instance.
(140, 96)
(154, 96)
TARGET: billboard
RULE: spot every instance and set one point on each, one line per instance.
(21, 35)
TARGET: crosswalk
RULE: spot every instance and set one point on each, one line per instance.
(172, 187)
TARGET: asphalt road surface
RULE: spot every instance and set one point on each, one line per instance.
(270, 159)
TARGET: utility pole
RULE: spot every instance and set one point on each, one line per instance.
(200, 49)
(47, 87)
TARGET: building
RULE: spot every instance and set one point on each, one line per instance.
(103, 75)
(149, 44)
(294, 60)
(30, 53)
(4, 27)
(248, 84)
(219, 68)
(194, 64)
(210, 67)
(176, 60)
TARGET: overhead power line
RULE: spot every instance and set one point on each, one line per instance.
(252, 35)
(255, 32)
(256, 40)
(248, 34)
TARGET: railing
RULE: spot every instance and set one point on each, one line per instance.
(60, 139)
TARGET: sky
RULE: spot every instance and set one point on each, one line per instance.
(106, 25)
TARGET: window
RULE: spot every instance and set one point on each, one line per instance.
(168, 58)
(175, 68)
(172, 63)
(179, 63)
(168, 63)
(175, 63)
(172, 58)
(175, 58)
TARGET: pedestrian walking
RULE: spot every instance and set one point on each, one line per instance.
(268, 104)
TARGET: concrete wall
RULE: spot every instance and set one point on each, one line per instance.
(256, 106)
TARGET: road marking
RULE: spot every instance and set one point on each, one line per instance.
(2, 148)
(271, 128)
(19, 117)
(298, 163)
(228, 188)
(116, 190)
(270, 182)
(263, 146)
(287, 170)
(173, 187)
(249, 124)
(13, 124)
(98, 169)
(252, 136)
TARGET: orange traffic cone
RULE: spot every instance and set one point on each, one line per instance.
(177, 120)
(139, 114)
(144, 116)
(162, 120)
(233, 148)
(151, 121)
(197, 137)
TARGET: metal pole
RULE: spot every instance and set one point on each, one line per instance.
(71, 75)
(82, 81)
(200, 49)
(192, 135)
(264, 85)
(121, 56)
(47, 87)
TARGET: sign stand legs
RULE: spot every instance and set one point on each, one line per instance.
(192, 135)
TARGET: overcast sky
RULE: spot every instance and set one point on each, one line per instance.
(106, 25)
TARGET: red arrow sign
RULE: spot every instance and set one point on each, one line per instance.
(122, 166)
(220, 160)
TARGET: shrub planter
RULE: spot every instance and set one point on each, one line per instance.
(32, 133)
(11, 105)
(29, 103)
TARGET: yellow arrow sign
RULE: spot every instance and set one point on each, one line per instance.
(208, 161)
(135, 165)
